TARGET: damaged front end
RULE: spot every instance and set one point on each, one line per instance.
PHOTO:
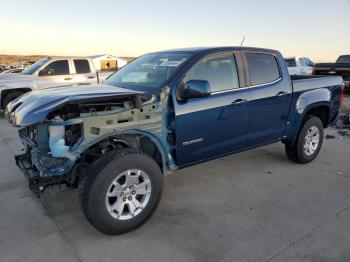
(74, 132)
(37, 163)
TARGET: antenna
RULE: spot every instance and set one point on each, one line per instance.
(243, 40)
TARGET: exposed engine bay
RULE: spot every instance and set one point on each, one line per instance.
(61, 149)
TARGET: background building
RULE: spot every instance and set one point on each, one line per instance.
(108, 62)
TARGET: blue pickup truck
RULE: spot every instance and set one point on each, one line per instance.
(162, 112)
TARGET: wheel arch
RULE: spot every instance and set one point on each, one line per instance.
(5, 92)
(138, 139)
(320, 110)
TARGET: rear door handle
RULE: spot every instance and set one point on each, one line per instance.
(68, 78)
(282, 93)
(91, 77)
(238, 102)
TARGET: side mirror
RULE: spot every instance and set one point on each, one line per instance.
(196, 89)
(46, 72)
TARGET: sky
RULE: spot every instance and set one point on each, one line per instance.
(318, 29)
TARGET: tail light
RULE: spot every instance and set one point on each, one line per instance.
(342, 94)
(313, 71)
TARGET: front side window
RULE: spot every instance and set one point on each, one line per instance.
(82, 66)
(309, 62)
(263, 68)
(219, 70)
(60, 67)
(149, 71)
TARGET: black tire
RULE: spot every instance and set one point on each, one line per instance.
(10, 97)
(295, 152)
(94, 187)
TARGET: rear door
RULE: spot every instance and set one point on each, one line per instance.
(215, 125)
(303, 67)
(84, 73)
(270, 98)
(56, 73)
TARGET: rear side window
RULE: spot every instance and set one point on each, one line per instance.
(263, 68)
(219, 70)
(81, 66)
(290, 62)
(60, 67)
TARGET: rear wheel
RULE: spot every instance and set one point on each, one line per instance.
(308, 143)
(122, 191)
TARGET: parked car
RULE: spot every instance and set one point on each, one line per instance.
(47, 73)
(299, 65)
(162, 112)
(12, 71)
(340, 68)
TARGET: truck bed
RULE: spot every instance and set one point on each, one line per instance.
(308, 82)
(322, 88)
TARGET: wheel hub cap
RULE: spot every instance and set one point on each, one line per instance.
(312, 139)
(128, 194)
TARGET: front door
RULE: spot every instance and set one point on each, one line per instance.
(215, 125)
(56, 73)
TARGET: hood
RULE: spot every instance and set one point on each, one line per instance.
(15, 79)
(33, 107)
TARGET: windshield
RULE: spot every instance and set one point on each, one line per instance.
(32, 69)
(344, 59)
(148, 71)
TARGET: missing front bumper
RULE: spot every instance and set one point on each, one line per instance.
(37, 184)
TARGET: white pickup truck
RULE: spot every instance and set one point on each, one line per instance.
(47, 73)
(299, 65)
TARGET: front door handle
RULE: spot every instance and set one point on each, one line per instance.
(282, 93)
(238, 102)
(91, 77)
(68, 78)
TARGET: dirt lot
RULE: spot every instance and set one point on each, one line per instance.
(253, 206)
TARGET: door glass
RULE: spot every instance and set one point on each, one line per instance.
(344, 59)
(60, 67)
(302, 62)
(309, 62)
(290, 62)
(263, 68)
(82, 66)
(219, 70)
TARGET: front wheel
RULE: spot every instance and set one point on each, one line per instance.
(122, 191)
(308, 143)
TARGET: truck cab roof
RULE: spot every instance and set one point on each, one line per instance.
(220, 49)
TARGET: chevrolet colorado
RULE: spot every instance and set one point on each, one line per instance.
(49, 72)
(162, 112)
(341, 67)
